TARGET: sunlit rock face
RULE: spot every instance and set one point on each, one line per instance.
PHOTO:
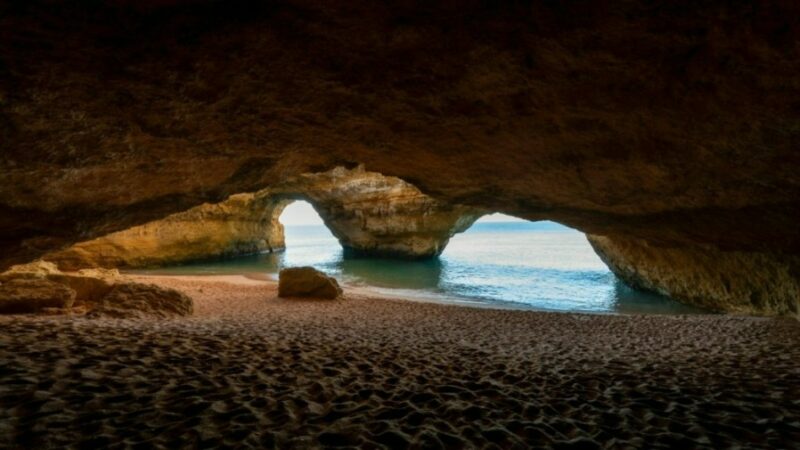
(672, 122)
(243, 224)
(732, 281)
(369, 213)
(376, 215)
(40, 287)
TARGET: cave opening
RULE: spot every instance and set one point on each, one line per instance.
(542, 265)
(377, 231)
(143, 139)
(307, 240)
(499, 260)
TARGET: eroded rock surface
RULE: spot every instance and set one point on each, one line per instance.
(668, 121)
(19, 296)
(307, 282)
(376, 215)
(369, 213)
(242, 224)
(39, 286)
(672, 122)
(742, 282)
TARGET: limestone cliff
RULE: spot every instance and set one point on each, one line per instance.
(369, 213)
(242, 224)
(40, 287)
(376, 215)
(671, 121)
(732, 281)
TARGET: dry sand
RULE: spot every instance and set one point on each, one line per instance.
(253, 370)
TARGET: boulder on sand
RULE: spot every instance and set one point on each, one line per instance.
(39, 287)
(307, 282)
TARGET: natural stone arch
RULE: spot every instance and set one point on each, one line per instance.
(242, 224)
(375, 215)
(370, 214)
(681, 135)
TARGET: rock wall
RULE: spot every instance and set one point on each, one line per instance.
(242, 224)
(369, 213)
(40, 287)
(375, 215)
(675, 122)
(732, 281)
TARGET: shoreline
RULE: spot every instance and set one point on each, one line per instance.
(250, 279)
(401, 295)
(250, 369)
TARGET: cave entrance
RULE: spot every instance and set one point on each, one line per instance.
(308, 242)
(542, 265)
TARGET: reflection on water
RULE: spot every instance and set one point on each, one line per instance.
(629, 300)
(390, 273)
(538, 265)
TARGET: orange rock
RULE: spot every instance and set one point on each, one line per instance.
(34, 295)
(307, 282)
(40, 287)
(369, 213)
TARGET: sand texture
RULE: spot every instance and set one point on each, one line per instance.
(249, 369)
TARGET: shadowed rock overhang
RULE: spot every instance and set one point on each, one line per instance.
(369, 213)
(674, 123)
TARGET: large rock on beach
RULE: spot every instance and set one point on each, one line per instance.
(307, 282)
(34, 270)
(37, 286)
(33, 295)
(674, 124)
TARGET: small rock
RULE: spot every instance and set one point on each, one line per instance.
(307, 282)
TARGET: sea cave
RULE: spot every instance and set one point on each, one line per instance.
(141, 138)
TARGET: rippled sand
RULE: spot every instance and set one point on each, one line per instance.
(250, 369)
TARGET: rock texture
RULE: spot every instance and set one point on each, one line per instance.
(307, 282)
(673, 122)
(369, 213)
(242, 224)
(34, 295)
(376, 215)
(733, 281)
(39, 286)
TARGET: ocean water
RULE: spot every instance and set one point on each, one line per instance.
(528, 265)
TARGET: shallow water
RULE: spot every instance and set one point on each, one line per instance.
(535, 265)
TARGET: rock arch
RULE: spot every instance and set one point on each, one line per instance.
(367, 212)
(376, 215)
(674, 125)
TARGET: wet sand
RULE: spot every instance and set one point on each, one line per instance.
(252, 370)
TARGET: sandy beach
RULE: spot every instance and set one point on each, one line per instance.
(249, 369)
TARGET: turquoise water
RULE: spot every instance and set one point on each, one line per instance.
(530, 265)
